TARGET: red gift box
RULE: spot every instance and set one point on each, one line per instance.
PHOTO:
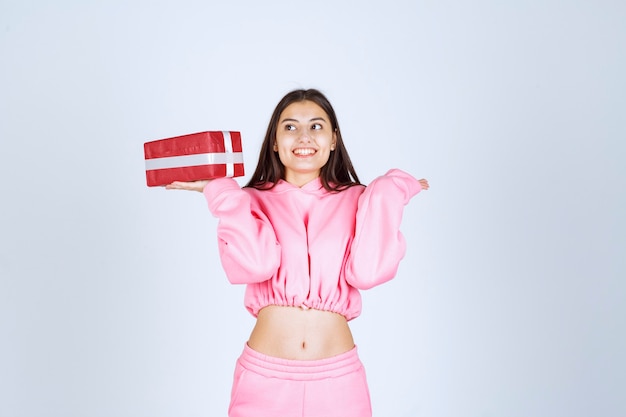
(199, 156)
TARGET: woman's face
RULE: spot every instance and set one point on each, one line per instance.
(304, 140)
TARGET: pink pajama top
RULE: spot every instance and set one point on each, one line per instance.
(308, 247)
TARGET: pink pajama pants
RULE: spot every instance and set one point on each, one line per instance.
(266, 386)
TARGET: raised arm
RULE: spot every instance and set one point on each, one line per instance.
(247, 243)
(378, 244)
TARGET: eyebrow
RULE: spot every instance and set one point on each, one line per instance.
(298, 121)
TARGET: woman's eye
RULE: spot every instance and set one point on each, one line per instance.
(290, 127)
(316, 126)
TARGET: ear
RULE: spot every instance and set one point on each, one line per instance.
(333, 144)
(275, 147)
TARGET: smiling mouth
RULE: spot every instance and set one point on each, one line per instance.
(304, 151)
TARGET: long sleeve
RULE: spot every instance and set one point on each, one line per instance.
(247, 243)
(378, 245)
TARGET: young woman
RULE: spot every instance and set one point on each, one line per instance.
(305, 236)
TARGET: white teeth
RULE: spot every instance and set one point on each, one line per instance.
(304, 151)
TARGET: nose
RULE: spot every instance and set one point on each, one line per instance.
(305, 137)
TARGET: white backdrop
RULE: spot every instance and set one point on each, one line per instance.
(511, 299)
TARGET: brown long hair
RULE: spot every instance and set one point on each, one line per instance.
(336, 175)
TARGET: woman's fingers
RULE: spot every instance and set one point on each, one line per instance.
(189, 186)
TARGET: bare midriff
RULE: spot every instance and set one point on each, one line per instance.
(302, 334)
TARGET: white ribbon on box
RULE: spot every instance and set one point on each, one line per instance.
(229, 158)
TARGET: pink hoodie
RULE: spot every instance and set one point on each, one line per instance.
(309, 247)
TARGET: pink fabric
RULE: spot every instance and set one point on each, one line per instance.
(265, 386)
(308, 247)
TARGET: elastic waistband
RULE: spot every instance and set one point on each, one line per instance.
(301, 370)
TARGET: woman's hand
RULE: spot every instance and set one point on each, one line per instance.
(189, 186)
(424, 184)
